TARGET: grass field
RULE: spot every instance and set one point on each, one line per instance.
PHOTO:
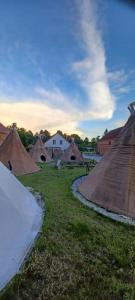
(80, 254)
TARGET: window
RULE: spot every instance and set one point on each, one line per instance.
(54, 142)
(61, 142)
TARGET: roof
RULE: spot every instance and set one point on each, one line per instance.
(3, 129)
(13, 150)
(111, 134)
(111, 184)
(62, 137)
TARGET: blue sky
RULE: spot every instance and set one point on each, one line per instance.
(66, 64)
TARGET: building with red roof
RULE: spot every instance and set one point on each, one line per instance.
(107, 140)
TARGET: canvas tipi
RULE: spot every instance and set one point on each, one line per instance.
(111, 184)
(3, 133)
(13, 151)
(20, 222)
(39, 153)
(72, 153)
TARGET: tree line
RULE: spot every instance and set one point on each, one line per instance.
(28, 138)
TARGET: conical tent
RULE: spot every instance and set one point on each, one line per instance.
(72, 153)
(13, 151)
(3, 133)
(111, 184)
(20, 222)
(39, 153)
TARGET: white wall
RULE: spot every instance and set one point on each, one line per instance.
(58, 138)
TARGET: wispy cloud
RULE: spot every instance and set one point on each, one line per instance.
(122, 81)
(91, 71)
(43, 105)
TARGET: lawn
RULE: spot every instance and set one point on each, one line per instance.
(79, 254)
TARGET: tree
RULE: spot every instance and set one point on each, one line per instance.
(105, 132)
(60, 132)
(86, 141)
(94, 142)
(26, 136)
(45, 135)
(76, 138)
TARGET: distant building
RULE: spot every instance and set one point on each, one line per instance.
(106, 141)
(56, 145)
(3, 133)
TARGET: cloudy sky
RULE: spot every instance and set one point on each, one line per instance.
(66, 64)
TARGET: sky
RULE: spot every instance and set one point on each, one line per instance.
(66, 64)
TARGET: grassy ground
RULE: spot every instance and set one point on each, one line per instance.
(80, 254)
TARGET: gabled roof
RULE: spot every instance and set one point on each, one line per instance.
(111, 134)
(38, 152)
(72, 151)
(111, 184)
(13, 150)
(3, 129)
(57, 134)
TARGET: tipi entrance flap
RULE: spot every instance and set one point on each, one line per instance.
(20, 222)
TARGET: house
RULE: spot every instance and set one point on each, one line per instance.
(106, 141)
(57, 144)
(3, 133)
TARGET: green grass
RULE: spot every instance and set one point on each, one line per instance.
(80, 254)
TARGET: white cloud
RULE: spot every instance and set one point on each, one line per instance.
(91, 71)
(36, 116)
(52, 108)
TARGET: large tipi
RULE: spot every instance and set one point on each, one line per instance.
(13, 151)
(20, 222)
(111, 184)
(39, 153)
(72, 153)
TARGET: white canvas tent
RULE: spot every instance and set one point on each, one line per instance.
(20, 222)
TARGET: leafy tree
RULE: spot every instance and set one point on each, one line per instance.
(94, 142)
(86, 141)
(26, 136)
(60, 132)
(76, 138)
(45, 135)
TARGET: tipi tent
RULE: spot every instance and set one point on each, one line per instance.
(72, 153)
(20, 222)
(111, 184)
(39, 153)
(13, 151)
(3, 133)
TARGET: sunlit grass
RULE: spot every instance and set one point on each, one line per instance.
(80, 254)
